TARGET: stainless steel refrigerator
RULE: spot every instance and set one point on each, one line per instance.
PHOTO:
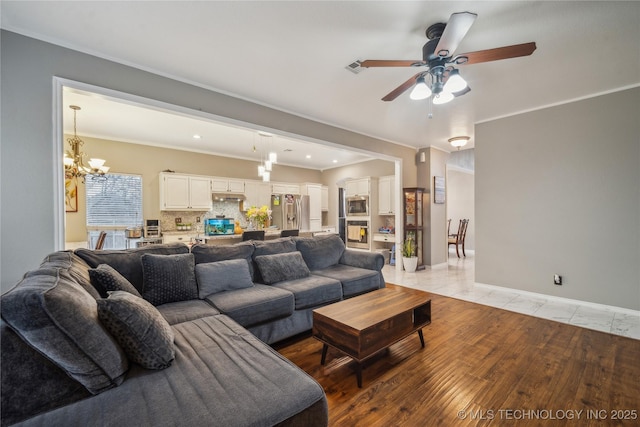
(290, 212)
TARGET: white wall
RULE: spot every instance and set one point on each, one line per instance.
(29, 165)
(558, 191)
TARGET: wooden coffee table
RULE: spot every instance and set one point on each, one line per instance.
(363, 326)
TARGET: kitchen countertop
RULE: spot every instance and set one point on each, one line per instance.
(269, 234)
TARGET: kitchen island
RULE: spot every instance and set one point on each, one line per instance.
(188, 237)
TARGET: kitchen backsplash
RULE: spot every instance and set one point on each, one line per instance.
(228, 209)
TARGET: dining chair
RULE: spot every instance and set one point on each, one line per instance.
(458, 239)
(253, 235)
(100, 242)
(289, 233)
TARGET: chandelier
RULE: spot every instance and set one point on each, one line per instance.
(74, 166)
(267, 162)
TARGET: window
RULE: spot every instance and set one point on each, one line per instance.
(113, 204)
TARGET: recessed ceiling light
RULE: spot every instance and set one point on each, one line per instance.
(196, 136)
(335, 161)
(308, 156)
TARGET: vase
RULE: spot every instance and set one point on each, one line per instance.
(410, 264)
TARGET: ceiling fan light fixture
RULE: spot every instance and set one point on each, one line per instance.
(421, 90)
(442, 98)
(455, 82)
(459, 141)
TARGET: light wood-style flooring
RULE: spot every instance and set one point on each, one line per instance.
(483, 366)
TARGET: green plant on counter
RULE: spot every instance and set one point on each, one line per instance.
(409, 248)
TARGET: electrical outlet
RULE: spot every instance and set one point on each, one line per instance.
(557, 279)
(178, 220)
(197, 219)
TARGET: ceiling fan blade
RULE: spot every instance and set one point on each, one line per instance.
(464, 91)
(391, 63)
(454, 32)
(402, 88)
(505, 52)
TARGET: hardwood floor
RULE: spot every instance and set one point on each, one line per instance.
(483, 366)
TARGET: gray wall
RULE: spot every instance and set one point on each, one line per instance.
(28, 162)
(558, 191)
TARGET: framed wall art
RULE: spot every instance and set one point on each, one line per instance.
(71, 194)
(438, 189)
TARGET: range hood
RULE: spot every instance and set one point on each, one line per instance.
(227, 195)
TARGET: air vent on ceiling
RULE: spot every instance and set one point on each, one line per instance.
(354, 67)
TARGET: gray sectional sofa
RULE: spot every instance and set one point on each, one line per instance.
(164, 335)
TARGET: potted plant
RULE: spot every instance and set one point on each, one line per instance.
(409, 255)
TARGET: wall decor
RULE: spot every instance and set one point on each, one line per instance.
(438, 189)
(71, 194)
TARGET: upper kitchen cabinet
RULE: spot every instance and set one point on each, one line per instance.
(220, 185)
(285, 188)
(387, 195)
(257, 193)
(184, 192)
(358, 187)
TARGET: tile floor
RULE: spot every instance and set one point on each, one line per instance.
(456, 280)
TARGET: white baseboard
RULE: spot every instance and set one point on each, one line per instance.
(561, 299)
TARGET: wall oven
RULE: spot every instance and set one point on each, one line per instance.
(357, 234)
(358, 206)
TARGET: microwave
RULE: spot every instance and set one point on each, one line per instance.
(358, 206)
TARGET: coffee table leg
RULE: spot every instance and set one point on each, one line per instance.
(421, 337)
(359, 374)
(324, 353)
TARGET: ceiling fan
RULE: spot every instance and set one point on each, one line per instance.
(441, 79)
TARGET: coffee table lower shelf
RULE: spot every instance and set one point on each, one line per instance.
(363, 326)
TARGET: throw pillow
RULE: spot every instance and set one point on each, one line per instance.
(214, 277)
(321, 252)
(139, 328)
(58, 318)
(280, 267)
(127, 261)
(168, 278)
(106, 279)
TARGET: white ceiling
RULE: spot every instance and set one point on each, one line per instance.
(292, 56)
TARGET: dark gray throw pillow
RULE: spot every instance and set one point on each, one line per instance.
(280, 267)
(168, 278)
(139, 328)
(106, 279)
(214, 277)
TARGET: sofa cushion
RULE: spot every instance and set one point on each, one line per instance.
(185, 311)
(354, 280)
(280, 267)
(212, 253)
(168, 278)
(270, 247)
(140, 329)
(258, 304)
(312, 291)
(222, 375)
(127, 262)
(31, 383)
(214, 277)
(320, 251)
(106, 279)
(76, 266)
(58, 318)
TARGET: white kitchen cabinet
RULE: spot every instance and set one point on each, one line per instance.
(325, 199)
(180, 192)
(387, 195)
(222, 185)
(315, 225)
(358, 187)
(285, 189)
(178, 238)
(257, 193)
